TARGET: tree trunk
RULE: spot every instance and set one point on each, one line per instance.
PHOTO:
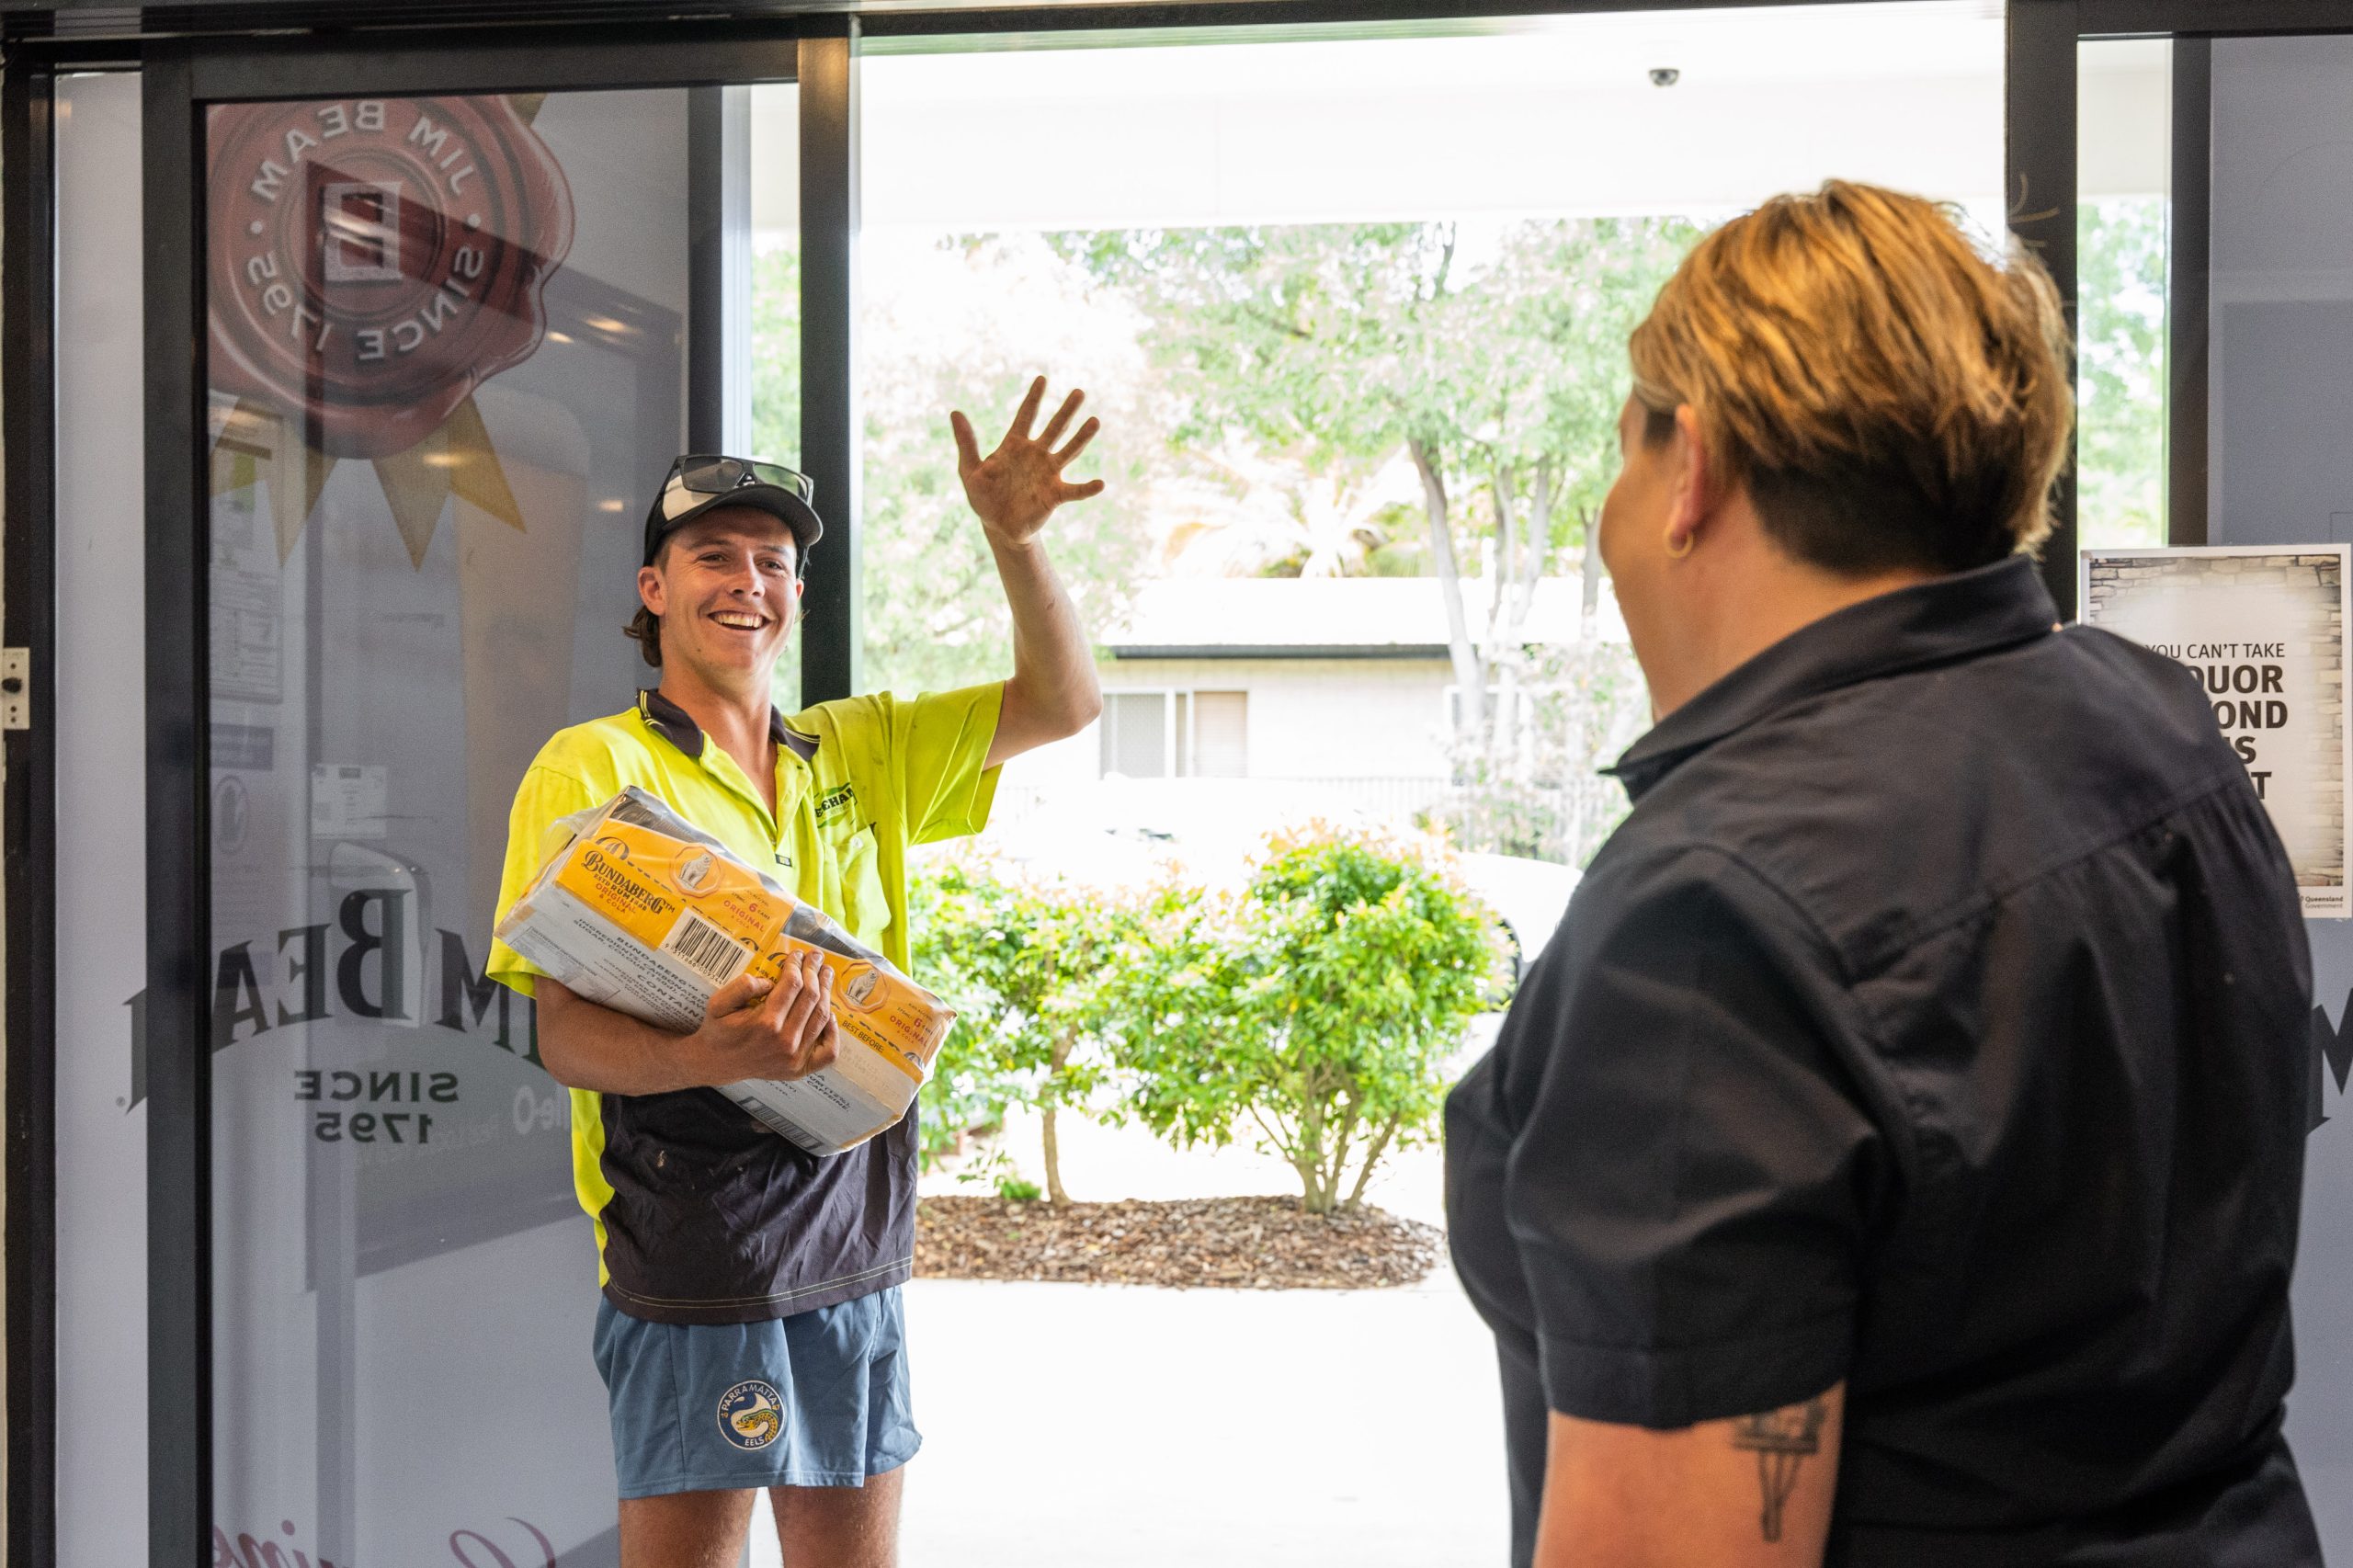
(1540, 545)
(1502, 481)
(1056, 1058)
(1470, 673)
(1307, 1155)
(1372, 1154)
(1591, 605)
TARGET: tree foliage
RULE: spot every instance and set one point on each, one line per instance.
(1316, 1008)
(1493, 359)
(2120, 371)
(965, 323)
(1027, 963)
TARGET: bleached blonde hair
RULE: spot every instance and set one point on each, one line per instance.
(1889, 396)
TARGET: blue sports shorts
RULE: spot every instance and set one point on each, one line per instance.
(817, 1399)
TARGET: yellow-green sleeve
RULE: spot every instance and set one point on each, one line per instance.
(939, 743)
(547, 795)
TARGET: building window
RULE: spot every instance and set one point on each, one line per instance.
(1176, 734)
(1220, 735)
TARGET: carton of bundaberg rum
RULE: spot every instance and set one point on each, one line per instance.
(640, 910)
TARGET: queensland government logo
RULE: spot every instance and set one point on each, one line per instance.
(750, 1414)
(373, 261)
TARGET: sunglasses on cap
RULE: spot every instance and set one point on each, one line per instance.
(710, 474)
(701, 482)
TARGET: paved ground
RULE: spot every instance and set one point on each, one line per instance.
(1080, 1426)
(1077, 1426)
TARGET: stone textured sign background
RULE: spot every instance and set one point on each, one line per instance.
(2262, 629)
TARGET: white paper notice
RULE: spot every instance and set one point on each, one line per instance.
(2262, 629)
(346, 801)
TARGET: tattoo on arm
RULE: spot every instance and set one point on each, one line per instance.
(1781, 1439)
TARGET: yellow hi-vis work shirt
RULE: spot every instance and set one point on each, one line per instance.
(702, 1214)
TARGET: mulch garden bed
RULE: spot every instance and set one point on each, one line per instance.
(1251, 1243)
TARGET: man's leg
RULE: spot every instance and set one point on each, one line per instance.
(837, 1526)
(684, 1529)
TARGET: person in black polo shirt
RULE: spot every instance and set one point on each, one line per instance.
(1895, 1158)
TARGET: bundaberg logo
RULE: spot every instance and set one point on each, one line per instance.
(750, 1414)
(373, 262)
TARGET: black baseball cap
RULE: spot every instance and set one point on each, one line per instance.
(701, 482)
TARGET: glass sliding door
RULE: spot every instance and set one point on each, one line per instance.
(2279, 434)
(454, 342)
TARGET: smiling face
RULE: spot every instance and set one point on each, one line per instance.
(726, 589)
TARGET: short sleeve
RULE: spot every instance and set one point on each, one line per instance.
(1688, 1187)
(940, 743)
(546, 796)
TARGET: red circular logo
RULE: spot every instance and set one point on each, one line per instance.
(375, 260)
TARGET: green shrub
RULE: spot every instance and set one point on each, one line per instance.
(1023, 959)
(1316, 1008)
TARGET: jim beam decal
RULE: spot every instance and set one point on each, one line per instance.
(374, 261)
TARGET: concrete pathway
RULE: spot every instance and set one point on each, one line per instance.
(1118, 1427)
(1121, 1426)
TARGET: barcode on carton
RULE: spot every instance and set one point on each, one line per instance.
(704, 949)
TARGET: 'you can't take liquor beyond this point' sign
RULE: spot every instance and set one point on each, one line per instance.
(2262, 627)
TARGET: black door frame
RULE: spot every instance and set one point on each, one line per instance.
(27, 806)
(599, 48)
(181, 80)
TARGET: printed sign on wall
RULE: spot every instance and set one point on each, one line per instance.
(2262, 627)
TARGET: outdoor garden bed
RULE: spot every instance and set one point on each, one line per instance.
(1249, 1243)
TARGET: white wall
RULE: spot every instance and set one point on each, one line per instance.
(1315, 718)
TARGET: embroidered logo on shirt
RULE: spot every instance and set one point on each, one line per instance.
(750, 1414)
(840, 798)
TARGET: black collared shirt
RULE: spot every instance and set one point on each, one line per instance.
(1937, 1021)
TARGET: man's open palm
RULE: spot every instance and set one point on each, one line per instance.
(1017, 487)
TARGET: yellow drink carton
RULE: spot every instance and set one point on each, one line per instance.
(638, 910)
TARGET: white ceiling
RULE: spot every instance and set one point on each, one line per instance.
(1547, 116)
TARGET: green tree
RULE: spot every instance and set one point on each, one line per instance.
(1318, 1007)
(964, 324)
(776, 355)
(1493, 360)
(2120, 371)
(1024, 960)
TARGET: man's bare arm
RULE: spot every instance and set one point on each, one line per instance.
(1053, 692)
(1014, 490)
(1753, 1492)
(752, 1028)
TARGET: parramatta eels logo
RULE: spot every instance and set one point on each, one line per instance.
(373, 262)
(750, 1414)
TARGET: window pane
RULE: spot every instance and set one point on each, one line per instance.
(101, 803)
(2125, 142)
(449, 364)
(1135, 735)
(1220, 732)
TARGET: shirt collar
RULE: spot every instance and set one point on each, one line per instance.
(1936, 623)
(674, 724)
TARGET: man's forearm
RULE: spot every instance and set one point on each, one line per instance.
(1053, 692)
(585, 1046)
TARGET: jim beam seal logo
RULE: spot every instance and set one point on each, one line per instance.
(374, 261)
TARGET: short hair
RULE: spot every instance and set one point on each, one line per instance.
(1890, 397)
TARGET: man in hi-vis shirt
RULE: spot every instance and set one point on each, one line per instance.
(750, 1333)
